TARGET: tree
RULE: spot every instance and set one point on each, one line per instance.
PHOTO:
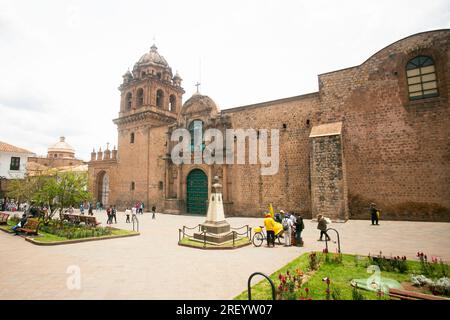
(63, 190)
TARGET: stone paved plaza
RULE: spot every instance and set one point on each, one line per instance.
(153, 266)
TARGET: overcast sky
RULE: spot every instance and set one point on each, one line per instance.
(61, 62)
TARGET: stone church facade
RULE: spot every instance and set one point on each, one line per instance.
(378, 132)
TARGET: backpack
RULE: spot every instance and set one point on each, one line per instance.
(285, 224)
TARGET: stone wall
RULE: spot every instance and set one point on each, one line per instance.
(328, 185)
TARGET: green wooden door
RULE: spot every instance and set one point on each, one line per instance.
(197, 192)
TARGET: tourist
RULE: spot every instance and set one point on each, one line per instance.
(322, 226)
(287, 228)
(141, 209)
(82, 209)
(133, 211)
(374, 214)
(114, 214)
(278, 217)
(299, 226)
(269, 224)
(98, 206)
(21, 224)
(153, 212)
(90, 210)
(127, 213)
(109, 214)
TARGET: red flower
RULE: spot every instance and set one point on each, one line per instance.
(306, 290)
(280, 276)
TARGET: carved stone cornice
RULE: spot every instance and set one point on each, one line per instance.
(161, 118)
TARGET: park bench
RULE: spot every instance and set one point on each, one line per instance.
(31, 227)
(4, 218)
(411, 295)
(76, 219)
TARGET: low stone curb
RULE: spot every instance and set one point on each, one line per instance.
(39, 243)
(215, 248)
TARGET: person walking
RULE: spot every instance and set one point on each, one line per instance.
(81, 209)
(114, 214)
(128, 213)
(322, 226)
(109, 214)
(141, 209)
(90, 210)
(374, 212)
(287, 228)
(299, 226)
(153, 212)
(269, 224)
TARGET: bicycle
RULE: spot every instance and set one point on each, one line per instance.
(260, 235)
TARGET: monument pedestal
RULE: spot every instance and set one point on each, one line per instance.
(216, 233)
(217, 229)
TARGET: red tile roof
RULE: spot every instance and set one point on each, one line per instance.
(5, 147)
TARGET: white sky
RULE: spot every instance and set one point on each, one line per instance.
(61, 62)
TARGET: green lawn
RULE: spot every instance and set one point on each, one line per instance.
(339, 274)
(188, 241)
(49, 238)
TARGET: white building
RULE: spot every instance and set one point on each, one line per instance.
(13, 161)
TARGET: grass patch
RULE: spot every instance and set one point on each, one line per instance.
(46, 237)
(339, 274)
(197, 244)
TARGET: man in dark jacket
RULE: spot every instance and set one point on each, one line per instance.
(322, 226)
(373, 214)
(299, 226)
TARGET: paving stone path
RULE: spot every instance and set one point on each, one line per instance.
(153, 266)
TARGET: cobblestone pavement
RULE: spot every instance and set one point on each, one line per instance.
(153, 266)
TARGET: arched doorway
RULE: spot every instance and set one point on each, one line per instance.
(103, 188)
(197, 192)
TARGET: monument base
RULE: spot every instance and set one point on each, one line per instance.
(217, 232)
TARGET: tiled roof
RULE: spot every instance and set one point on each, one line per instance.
(5, 147)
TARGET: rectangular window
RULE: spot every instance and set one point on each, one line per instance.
(15, 163)
(132, 137)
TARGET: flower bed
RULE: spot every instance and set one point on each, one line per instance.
(324, 276)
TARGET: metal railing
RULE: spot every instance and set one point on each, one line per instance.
(249, 288)
(182, 233)
(338, 239)
(135, 219)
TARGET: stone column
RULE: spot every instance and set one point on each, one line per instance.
(179, 189)
(209, 180)
(225, 182)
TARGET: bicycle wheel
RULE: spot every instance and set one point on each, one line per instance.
(258, 239)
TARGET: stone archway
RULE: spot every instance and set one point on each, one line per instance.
(103, 188)
(197, 192)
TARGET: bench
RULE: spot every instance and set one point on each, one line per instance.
(89, 221)
(411, 295)
(31, 227)
(76, 219)
(4, 218)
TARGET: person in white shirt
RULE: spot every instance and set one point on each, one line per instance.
(287, 227)
(127, 213)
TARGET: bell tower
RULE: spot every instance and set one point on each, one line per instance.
(151, 86)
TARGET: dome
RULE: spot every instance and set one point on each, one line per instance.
(199, 104)
(61, 146)
(153, 57)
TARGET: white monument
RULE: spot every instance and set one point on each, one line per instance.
(216, 227)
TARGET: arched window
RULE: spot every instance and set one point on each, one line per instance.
(421, 74)
(128, 100)
(140, 97)
(196, 127)
(173, 103)
(133, 186)
(159, 98)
